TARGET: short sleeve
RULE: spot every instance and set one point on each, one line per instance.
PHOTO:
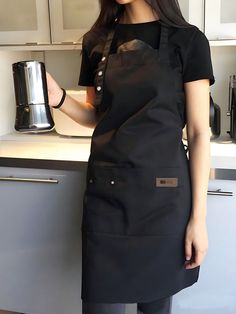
(198, 63)
(86, 77)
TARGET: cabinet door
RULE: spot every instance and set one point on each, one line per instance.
(70, 19)
(220, 19)
(193, 12)
(215, 290)
(40, 240)
(24, 21)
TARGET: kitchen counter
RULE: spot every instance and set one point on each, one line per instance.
(51, 146)
(46, 146)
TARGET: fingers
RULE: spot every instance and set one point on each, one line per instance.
(188, 250)
(196, 259)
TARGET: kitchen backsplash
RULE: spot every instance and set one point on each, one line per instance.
(64, 66)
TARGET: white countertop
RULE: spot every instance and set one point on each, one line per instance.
(46, 146)
(52, 146)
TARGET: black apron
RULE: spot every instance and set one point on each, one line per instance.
(137, 201)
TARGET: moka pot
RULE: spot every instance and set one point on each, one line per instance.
(32, 110)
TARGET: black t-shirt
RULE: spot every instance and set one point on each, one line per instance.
(190, 45)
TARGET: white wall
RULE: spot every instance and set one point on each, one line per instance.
(64, 66)
(7, 95)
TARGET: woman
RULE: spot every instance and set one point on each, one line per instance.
(144, 234)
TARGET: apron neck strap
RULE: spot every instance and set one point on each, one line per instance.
(108, 43)
(163, 47)
(163, 56)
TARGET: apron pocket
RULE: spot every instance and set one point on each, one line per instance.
(103, 200)
(136, 201)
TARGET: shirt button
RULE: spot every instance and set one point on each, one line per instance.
(103, 58)
(90, 180)
(100, 73)
(112, 182)
(99, 88)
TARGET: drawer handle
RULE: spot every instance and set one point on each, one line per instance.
(10, 178)
(220, 192)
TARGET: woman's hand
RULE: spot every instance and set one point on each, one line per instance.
(196, 242)
(54, 91)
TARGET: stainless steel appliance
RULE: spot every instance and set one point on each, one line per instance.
(232, 106)
(215, 114)
(32, 110)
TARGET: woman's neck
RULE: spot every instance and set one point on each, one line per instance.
(138, 12)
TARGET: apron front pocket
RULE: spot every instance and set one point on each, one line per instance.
(136, 201)
(161, 201)
(103, 200)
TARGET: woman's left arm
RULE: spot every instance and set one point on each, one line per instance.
(198, 134)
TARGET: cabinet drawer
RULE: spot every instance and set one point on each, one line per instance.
(40, 240)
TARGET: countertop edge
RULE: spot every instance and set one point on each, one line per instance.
(216, 173)
(42, 163)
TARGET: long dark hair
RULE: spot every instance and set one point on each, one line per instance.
(167, 10)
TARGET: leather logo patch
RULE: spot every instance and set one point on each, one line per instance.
(165, 182)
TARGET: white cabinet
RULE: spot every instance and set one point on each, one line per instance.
(40, 240)
(215, 290)
(45, 21)
(70, 19)
(193, 12)
(25, 21)
(220, 19)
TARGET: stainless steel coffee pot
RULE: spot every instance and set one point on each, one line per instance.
(32, 110)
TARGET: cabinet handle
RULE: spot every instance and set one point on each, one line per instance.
(10, 178)
(219, 192)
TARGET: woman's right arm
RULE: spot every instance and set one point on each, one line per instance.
(82, 112)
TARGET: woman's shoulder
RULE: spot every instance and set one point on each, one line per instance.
(185, 37)
(94, 37)
(194, 49)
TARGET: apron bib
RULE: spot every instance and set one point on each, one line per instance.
(137, 201)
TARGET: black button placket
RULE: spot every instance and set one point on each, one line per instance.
(99, 78)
